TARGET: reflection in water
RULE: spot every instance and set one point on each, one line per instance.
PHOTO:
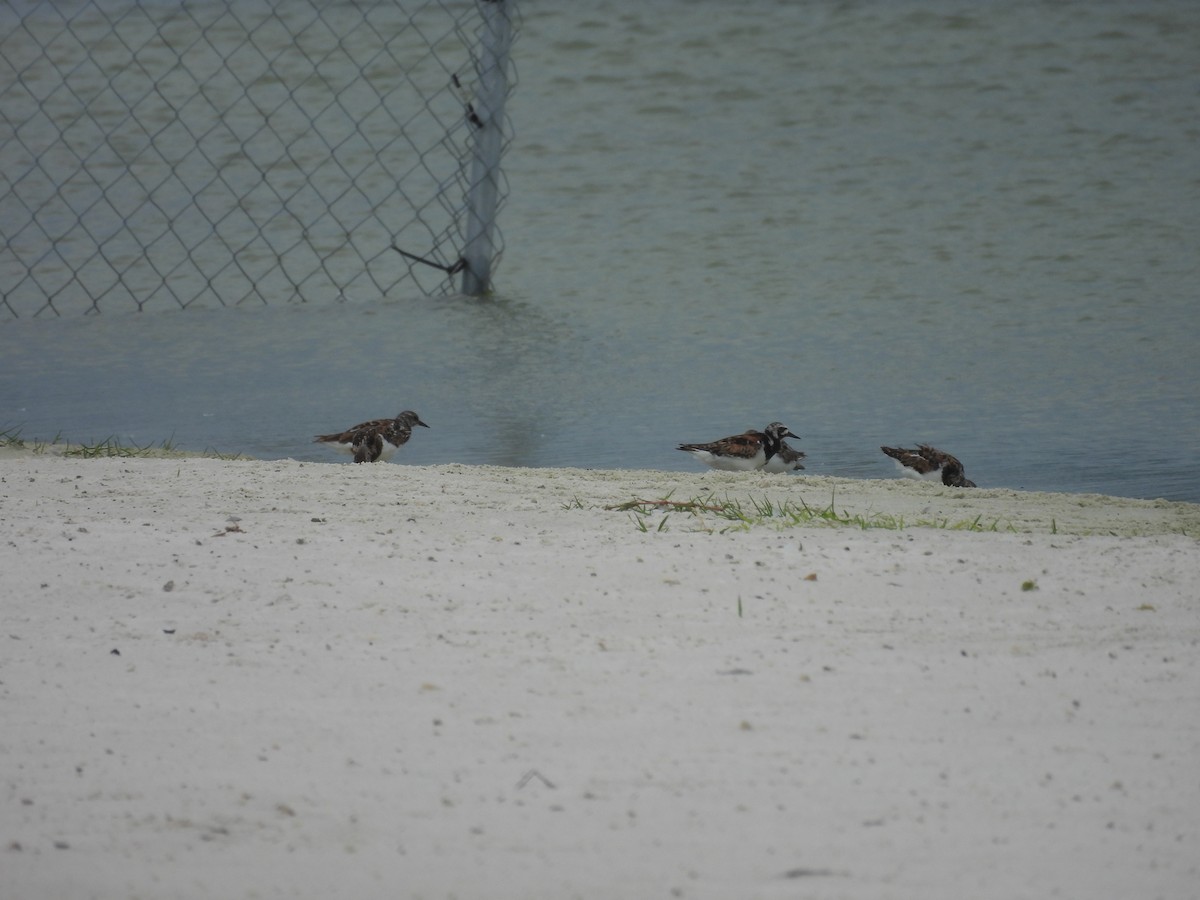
(505, 368)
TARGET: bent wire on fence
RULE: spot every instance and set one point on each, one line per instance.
(195, 155)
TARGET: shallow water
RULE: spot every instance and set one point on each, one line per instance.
(966, 224)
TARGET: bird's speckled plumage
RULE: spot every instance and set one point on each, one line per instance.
(786, 458)
(743, 452)
(929, 464)
(374, 440)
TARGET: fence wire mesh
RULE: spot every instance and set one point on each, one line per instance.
(156, 154)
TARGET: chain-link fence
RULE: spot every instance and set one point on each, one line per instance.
(157, 154)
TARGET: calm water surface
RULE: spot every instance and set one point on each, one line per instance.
(967, 224)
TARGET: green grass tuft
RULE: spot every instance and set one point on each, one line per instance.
(11, 437)
(109, 447)
(713, 514)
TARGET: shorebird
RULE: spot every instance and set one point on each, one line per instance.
(374, 440)
(929, 464)
(741, 452)
(786, 458)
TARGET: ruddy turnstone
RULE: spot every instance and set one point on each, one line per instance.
(929, 464)
(374, 440)
(741, 452)
(786, 458)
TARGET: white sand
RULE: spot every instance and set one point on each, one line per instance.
(391, 681)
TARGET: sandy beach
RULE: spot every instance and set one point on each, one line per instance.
(282, 679)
